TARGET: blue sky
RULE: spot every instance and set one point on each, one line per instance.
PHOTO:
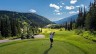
(52, 9)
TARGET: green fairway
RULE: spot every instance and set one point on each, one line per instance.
(38, 47)
(65, 42)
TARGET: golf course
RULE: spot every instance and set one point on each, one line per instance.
(65, 42)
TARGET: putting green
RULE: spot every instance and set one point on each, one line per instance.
(38, 47)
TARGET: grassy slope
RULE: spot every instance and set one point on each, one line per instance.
(88, 46)
(65, 43)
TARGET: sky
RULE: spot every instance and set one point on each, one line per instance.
(52, 9)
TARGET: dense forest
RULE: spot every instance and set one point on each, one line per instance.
(15, 23)
(86, 19)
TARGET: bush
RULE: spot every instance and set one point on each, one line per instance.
(1, 37)
(23, 37)
(61, 29)
(79, 32)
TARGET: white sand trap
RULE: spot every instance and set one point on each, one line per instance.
(39, 36)
(2, 41)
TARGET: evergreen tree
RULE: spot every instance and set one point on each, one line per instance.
(66, 26)
(3, 27)
(18, 27)
(79, 19)
(13, 27)
(84, 17)
(90, 21)
(71, 24)
(8, 27)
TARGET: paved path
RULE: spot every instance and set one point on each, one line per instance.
(36, 37)
(2, 41)
(7, 40)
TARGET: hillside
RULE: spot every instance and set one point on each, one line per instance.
(68, 19)
(31, 18)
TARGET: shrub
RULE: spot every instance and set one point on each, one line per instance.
(61, 29)
(1, 37)
(79, 32)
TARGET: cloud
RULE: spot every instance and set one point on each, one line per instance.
(73, 1)
(82, 5)
(60, 6)
(77, 6)
(73, 12)
(62, 3)
(56, 10)
(32, 10)
(69, 7)
(54, 6)
(59, 13)
(55, 19)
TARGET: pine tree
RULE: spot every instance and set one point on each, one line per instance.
(90, 21)
(78, 21)
(18, 27)
(66, 26)
(0, 24)
(3, 27)
(14, 27)
(84, 17)
(8, 27)
(71, 24)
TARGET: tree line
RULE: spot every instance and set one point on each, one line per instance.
(86, 19)
(20, 24)
(11, 27)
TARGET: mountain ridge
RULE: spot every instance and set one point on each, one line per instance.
(31, 18)
(67, 19)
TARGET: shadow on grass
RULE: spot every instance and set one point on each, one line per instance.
(46, 52)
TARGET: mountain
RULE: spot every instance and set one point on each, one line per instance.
(68, 19)
(30, 18)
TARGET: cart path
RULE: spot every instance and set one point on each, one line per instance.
(36, 37)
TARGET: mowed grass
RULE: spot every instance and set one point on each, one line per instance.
(65, 42)
(38, 47)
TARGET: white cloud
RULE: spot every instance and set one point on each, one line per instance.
(57, 13)
(54, 6)
(77, 6)
(56, 10)
(82, 5)
(73, 1)
(62, 3)
(69, 7)
(55, 19)
(73, 12)
(32, 10)
(61, 6)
